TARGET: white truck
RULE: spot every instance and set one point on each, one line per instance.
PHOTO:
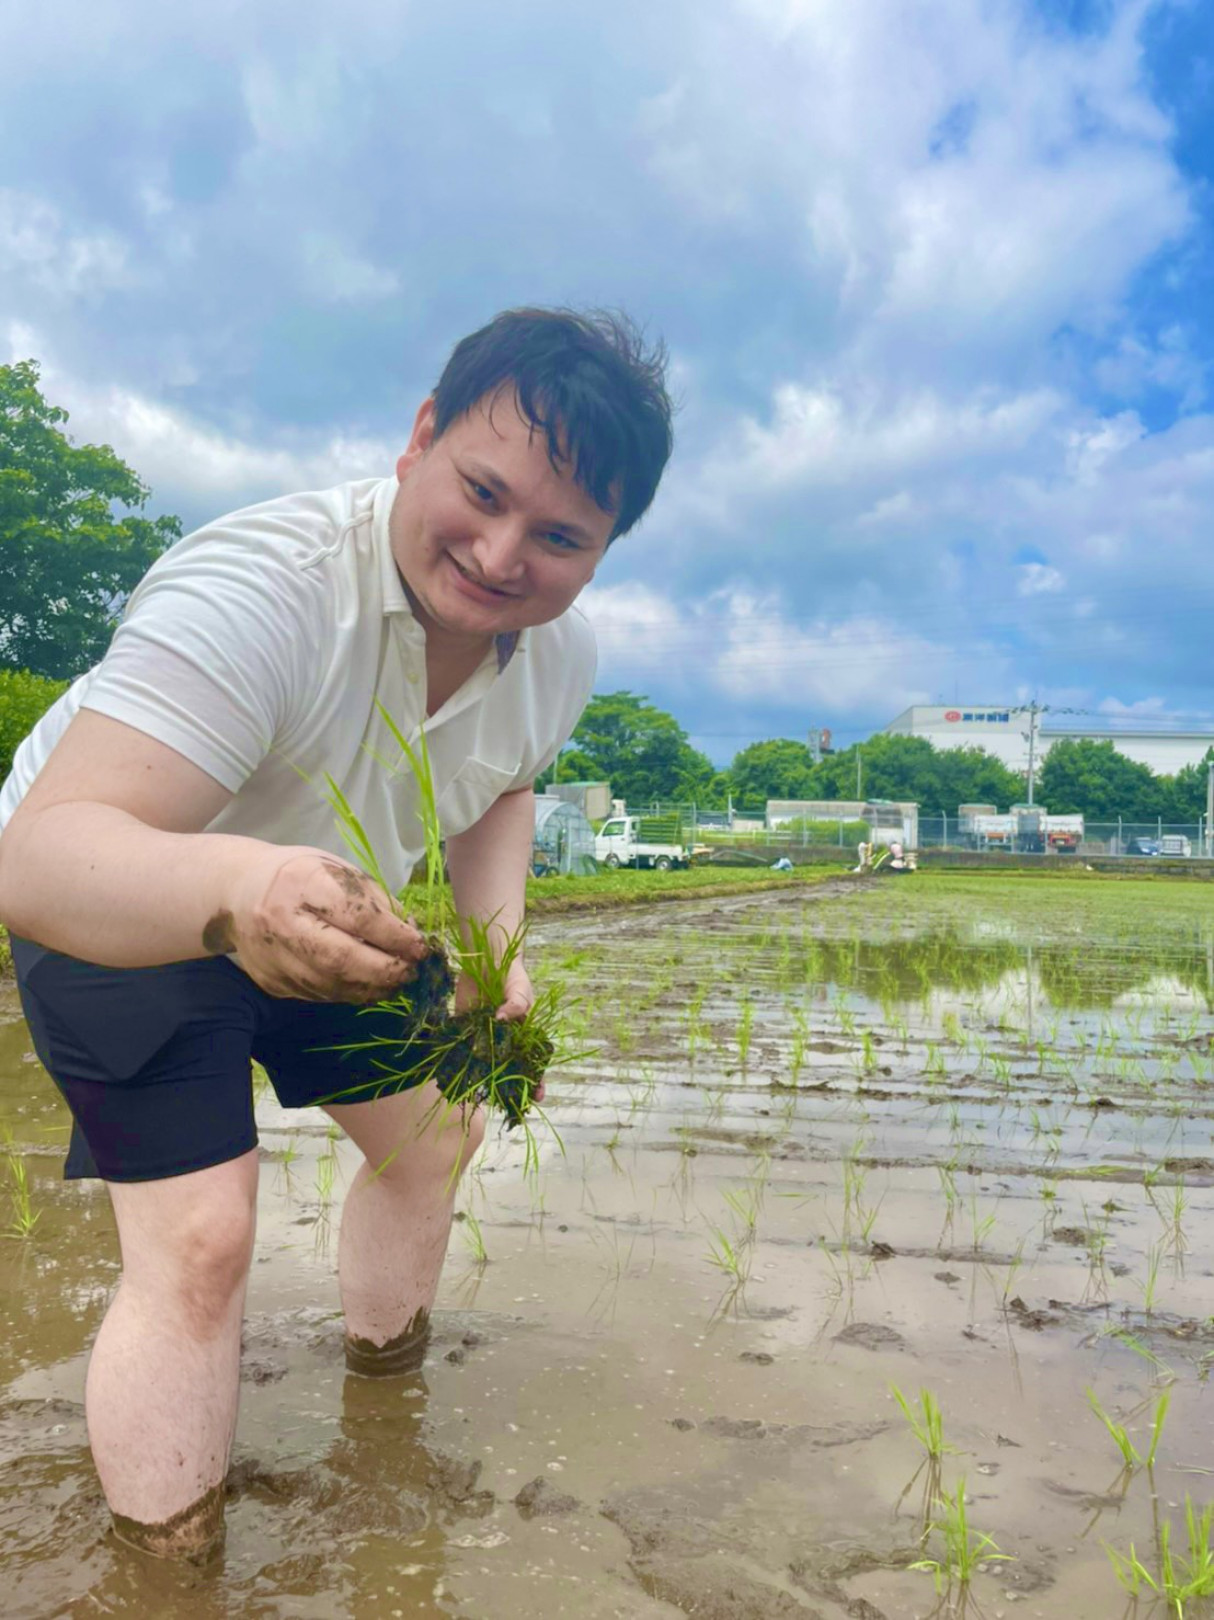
(1026, 828)
(655, 841)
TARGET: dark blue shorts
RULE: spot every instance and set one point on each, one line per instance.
(155, 1062)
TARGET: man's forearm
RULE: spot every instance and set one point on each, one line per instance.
(93, 881)
(489, 864)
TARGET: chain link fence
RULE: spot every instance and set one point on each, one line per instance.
(1081, 837)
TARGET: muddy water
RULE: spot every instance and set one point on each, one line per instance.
(949, 1135)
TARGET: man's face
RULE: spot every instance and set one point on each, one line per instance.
(487, 534)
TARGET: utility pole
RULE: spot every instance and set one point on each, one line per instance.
(859, 768)
(1210, 810)
(1032, 746)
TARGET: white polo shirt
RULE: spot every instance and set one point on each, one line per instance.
(260, 648)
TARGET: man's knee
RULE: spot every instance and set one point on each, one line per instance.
(197, 1263)
(212, 1255)
(439, 1150)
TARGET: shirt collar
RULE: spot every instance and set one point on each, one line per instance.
(392, 587)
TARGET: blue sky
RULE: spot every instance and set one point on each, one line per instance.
(937, 281)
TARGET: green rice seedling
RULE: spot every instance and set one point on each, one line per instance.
(1014, 1265)
(474, 1238)
(728, 1255)
(1124, 1336)
(926, 1423)
(623, 1032)
(326, 1176)
(1176, 1204)
(746, 1020)
(1130, 1456)
(980, 1225)
(746, 1203)
(1150, 1281)
(868, 1053)
(948, 1186)
(23, 1217)
(901, 1028)
(286, 1158)
(1179, 1577)
(964, 1550)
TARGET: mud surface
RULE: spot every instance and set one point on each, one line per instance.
(954, 1135)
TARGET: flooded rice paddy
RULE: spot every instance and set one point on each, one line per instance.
(952, 1135)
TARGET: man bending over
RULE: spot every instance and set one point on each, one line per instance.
(181, 901)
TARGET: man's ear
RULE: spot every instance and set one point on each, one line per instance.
(420, 440)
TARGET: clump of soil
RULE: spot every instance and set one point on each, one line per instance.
(472, 1056)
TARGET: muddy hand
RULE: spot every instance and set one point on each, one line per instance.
(307, 924)
(520, 997)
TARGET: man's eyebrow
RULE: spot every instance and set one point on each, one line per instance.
(499, 486)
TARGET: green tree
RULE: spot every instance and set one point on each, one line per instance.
(776, 769)
(68, 560)
(1091, 778)
(642, 751)
(937, 779)
(24, 699)
(1188, 789)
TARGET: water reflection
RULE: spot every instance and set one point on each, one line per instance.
(1075, 974)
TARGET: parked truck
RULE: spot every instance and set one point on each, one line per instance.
(1025, 829)
(1063, 834)
(656, 841)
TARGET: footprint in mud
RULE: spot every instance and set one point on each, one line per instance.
(540, 1499)
(871, 1336)
(823, 1436)
(699, 1567)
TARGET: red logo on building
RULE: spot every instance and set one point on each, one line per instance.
(952, 714)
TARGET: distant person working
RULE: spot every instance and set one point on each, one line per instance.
(181, 900)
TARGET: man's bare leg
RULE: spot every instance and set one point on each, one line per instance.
(397, 1220)
(164, 1376)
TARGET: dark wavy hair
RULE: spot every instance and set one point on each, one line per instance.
(589, 382)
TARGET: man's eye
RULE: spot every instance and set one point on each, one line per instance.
(481, 491)
(562, 541)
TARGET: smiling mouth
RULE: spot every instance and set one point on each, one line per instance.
(490, 590)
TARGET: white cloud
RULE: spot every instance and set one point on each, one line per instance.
(1038, 579)
(336, 273)
(741, 646)
(835, 436)
(182, 458)
(38, 248)
(1143, 707)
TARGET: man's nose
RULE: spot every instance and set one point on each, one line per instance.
(498, 552)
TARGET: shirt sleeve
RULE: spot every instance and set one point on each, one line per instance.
(218, 654)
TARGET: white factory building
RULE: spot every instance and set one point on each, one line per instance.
(1004, 732)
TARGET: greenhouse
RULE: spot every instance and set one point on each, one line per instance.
(564, 839)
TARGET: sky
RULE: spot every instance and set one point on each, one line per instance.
(937, 283)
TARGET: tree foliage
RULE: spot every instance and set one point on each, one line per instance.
(1091, 777)
(890, 767)
(642, 751)
(776, 769)
(24, 699)
(68, 558)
